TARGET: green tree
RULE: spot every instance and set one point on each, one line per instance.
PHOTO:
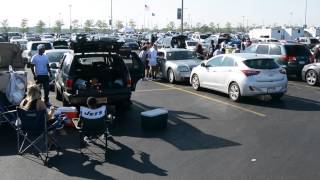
(228, 27)
(102, 25)
(119, 24)
(40, 26)
(75, 25)
(132, 23)
(24, 26)
(212, 27)
(198, 26)
(171, 26)
(88, 24)
(58, 26)
(5, 25)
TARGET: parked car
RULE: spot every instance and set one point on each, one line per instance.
(311, 74)
(291, 56)
(178, 41)
(60, 44)
(176, 64)
(310, 42)
(32, 50)
(98, 69)
(131, 43)
(241, 75)
(47, 38)
(55, 56)
(191, 45)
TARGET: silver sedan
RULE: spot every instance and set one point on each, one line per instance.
(176, 64)
(241, 75)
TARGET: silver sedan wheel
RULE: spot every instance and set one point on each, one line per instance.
(195, 82)
(171, 76)
(234, 92)
(311, 77)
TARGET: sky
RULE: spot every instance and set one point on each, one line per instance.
(258, 12)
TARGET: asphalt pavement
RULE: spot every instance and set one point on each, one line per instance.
(208, 137)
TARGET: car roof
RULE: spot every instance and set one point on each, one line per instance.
(173, 49)
(41, 42)
(247, 56)
(277, 43)
(58, 50)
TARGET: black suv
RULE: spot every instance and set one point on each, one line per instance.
(291, 56)
(99, 69)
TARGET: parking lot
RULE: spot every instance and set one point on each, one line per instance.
(208, 137)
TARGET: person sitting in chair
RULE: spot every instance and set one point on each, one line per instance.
(33, 101)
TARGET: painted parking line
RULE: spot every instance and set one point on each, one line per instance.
(152, 90)
(301, 85)
(215, 100)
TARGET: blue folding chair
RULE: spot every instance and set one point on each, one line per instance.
(31, 130)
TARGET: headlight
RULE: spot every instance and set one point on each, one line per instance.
(183, 69)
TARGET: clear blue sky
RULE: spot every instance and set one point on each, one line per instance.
(258, 12)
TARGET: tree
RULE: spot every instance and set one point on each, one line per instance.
(132, 23)
(24, 26)
(58, 26)
(75, 25)
(5, 25)
(212, 27)
(88, 24)
(198, 26)
(40, 27)
(119, 24)
(102, 25)
(228, 27)
(204, 28)
(171, 26)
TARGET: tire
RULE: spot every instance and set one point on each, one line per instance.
(276, 97)
(170, 76)
(312, 77)
(58, 94)
(234, 92)
(195, 82)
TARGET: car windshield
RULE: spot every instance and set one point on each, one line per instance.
(261, 64)
(296, 50)
(55, 56)
(314, 41)
(192, 43)
(180, 55)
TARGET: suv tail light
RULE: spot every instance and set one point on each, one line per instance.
(311, 58)
(69, 84)
(283, 71)
(129, 82)
(288, 58)
(250, 72)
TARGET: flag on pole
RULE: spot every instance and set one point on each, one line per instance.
(146, 7)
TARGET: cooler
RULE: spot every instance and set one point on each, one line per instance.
(70, 113)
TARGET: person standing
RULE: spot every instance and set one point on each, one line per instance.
(153, 53)
(41, 70)
(144, 58)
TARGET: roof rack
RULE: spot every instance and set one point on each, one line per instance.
(106, 45)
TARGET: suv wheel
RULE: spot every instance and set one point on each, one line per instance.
(58, 94)
(312, 77)
(234, 92)
(171, 77)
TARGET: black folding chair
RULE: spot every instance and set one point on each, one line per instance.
(94, 124)
(33, 131)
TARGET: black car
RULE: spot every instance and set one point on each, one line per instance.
(99, 69)
(311, 74)
(291, 56)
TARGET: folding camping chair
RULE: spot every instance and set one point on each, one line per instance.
(33, 129)
(93, 124)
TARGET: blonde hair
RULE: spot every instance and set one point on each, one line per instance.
(33, 92)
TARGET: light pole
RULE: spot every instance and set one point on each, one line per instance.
(182, 17)
(70, 28)
(111, 18)
(305, 14)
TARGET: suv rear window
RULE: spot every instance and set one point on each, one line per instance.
(90, 60)
(296, 50)
(46, 45)
(261, 64)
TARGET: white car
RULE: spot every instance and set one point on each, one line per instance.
(47, 38)
(191, 45)
(241, 75)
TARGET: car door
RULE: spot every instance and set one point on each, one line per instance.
(208, 75)
(136, 69)
(224, 73)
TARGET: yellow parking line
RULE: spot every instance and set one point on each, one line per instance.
(215, 100)
(311, 87)
(151, 90)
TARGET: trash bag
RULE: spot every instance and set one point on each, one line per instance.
(16, 87)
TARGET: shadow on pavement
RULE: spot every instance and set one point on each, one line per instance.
(8, 140)
(178, 133)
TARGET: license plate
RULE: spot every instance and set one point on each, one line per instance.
(302, 62)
